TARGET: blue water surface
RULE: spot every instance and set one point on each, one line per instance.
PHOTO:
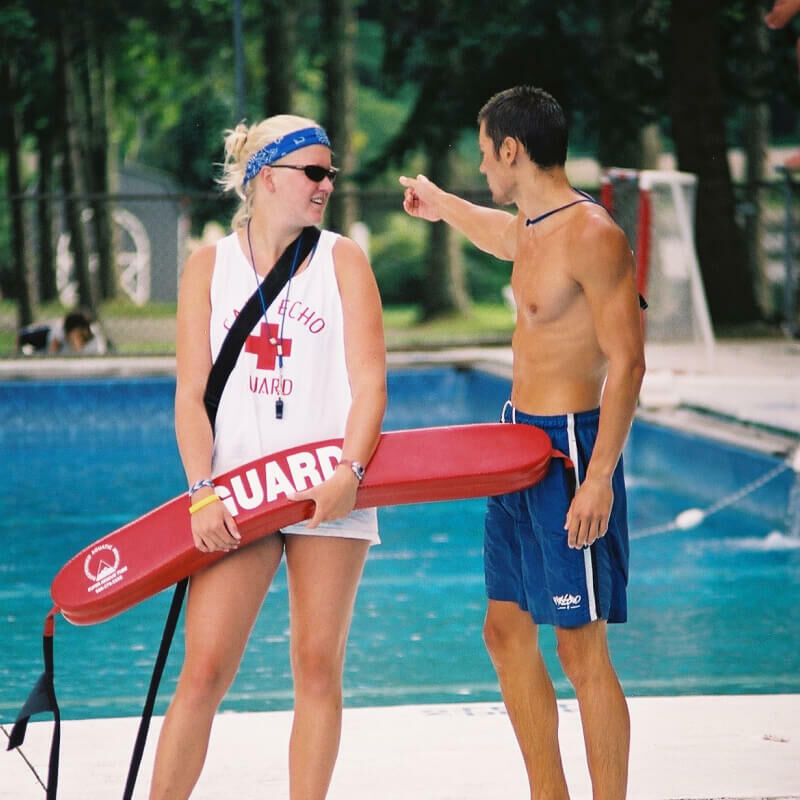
(713, 610)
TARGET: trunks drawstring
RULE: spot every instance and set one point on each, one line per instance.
(553, 453)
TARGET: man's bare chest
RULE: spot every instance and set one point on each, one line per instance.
(544, 290)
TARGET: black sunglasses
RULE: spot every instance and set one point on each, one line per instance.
(313, 172)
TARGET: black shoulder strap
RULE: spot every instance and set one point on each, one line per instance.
(270, 288)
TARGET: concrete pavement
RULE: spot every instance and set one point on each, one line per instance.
(682, 747)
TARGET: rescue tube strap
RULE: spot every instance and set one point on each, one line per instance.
(41, 699)
(155, 680)
(567, 460)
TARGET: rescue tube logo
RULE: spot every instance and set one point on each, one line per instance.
(102, 567)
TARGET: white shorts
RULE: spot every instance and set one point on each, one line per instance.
(359, 524)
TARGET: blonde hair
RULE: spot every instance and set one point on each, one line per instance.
(241, 144)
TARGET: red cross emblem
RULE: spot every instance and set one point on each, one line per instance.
(266, 345)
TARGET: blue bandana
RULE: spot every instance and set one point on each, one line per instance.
(280, 147)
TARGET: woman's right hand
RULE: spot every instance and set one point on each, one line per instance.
(213, 527)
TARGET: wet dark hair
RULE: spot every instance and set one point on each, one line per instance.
(532, 116)
(77, 320)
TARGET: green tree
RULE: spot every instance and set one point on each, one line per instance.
(444, 288)
(73, 172)
(156, 84)
(16, 34)
(175, 94)
(763, 95)
(435, 53)
(626, 88)
(41, 122)
(12, 140)
(698, 129)
(279, 46)
(96, 80)
(457, 65)
(340, 24)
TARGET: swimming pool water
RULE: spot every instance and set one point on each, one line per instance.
(712, 610)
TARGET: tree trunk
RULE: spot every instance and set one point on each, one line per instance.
(44, 212)
(97, 115)
(71, 165)
(698, 128)
(12, 124)
(239, 61)
(341, 28)
(619, 144)
(650, 141)
(279, 47)
(756, 142)
(444, 290)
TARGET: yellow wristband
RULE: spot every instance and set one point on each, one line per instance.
(212, 498)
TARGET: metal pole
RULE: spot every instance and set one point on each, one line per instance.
(238, 50)
(788, 254)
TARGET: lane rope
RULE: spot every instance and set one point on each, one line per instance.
(25, 759)
(691, 517)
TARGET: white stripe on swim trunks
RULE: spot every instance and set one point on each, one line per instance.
(587, 553)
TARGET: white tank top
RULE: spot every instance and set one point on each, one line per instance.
(307, 318)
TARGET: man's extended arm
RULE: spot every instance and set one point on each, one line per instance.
(489, 229)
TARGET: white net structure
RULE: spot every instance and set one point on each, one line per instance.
(656, 210)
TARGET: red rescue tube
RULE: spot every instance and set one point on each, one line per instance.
(422, 465)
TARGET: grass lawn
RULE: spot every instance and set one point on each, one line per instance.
(488, 323)
(150, 329)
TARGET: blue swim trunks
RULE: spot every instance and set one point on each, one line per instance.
(526, 557)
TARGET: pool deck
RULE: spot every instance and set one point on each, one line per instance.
(753, 383)
(689, 747)
(682, 747)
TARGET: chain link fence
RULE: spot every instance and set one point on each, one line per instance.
(776, 252)
(133, 311)
(128, 287)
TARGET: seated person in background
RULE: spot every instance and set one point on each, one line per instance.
(79, 337)
(33, 338)
(76, 334)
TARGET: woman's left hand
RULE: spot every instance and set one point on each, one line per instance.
(333, 498)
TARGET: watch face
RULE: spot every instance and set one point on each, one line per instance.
(356, 467)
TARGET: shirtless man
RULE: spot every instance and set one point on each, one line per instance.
(557, 553)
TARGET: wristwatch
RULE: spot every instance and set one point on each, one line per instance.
(356, 466)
